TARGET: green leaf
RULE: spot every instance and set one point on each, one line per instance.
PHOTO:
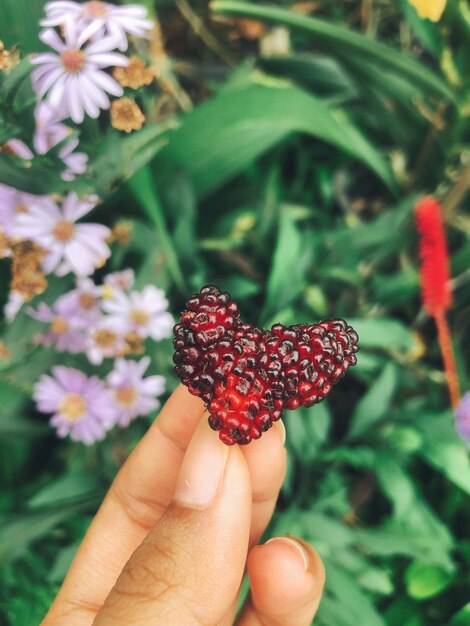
(292, 256)
(444, 450)
(66, 487)
(19, 24)
(143, 188)
(340, 40)
(323, 74)
(216, 143)
(424, 581)
(374, 404)
(349, 594)
(462, 618)
(13, 81)
(382, 332)
(62, 563)
(18, 531)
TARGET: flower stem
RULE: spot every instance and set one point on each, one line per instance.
(445, 343)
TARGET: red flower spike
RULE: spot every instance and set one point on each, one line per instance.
(247, 376)
(435, 273)
(435, 282)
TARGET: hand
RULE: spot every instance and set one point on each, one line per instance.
(179, 525)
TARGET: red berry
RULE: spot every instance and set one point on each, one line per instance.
(247, 376)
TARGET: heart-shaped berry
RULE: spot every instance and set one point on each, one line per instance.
(248, 376)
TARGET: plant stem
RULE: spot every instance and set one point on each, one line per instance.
(445, 343)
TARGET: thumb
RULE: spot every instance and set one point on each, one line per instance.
(189, 567)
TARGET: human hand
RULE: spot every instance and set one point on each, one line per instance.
(179, 525)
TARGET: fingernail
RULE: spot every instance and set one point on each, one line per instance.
(202, 469)
(281, 431)
(300, 550)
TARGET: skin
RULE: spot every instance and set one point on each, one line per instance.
(165, 549)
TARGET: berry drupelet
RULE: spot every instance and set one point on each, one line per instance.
(247, 376)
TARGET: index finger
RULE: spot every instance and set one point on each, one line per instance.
(138, 496)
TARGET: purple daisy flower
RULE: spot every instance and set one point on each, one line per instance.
(66, 330)
(95, 17)
(121, 280)
(14, 203)
(49, 133)
(132, 394)
(76, 162)
(104, 341)
(80, 405)
(73, 79)
(83, 301)
(143, 312)
(462, 417)
(77, 248)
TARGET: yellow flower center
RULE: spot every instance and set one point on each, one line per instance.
(73, 407)
(94, 8)
(73, 60)
(139, 317)
(126, 395)
(59, 326)
(104, 338)
(87, 301)
(63, 230)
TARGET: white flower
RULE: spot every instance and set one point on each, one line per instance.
(96, 16)
(131, 393)
(121, 280)
(13, 203)
(104, 340)
(143, 312)
(49, 133)
(78, 248)
(84, 300)
(73, 79)
(81, 406)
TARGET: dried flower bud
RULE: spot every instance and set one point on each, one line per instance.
(28, 279)
(134, 75)
(126, 115)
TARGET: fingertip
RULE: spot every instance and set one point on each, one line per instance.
(287, 578)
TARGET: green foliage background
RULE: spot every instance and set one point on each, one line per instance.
(288, 180)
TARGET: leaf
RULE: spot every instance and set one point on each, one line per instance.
(18, 531)
(443, 449)
(13, 81)
(216, 143)
(340, 40)
(382, 333)
(374, 404)
(292, 256)
(321, 73)
(424, 581)
(19, 24)
(143, 188)
(411, 511)
(462, 618)
(66, 487)
(62, 563)
(343, 585)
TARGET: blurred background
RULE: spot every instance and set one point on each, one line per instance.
(284, 148)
